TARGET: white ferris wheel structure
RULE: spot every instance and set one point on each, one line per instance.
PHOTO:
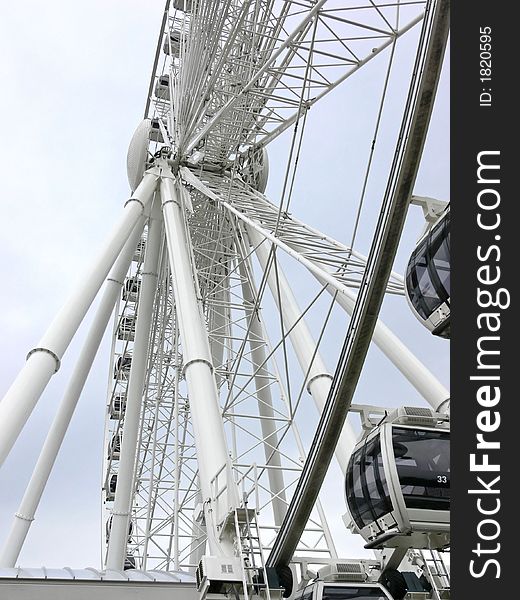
(224, 308)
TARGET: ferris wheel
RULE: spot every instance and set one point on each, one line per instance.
(227, 306)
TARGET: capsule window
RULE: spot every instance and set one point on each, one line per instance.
(132, 286)
(155, 131)
(162, 87)
(117, 406)
(139, 251)
(367, 489)
(353, 593)
(114, 448)
(428, 272)
(184, 5)
(440, 252)
(422, 458)
(173, 44)
(422, 291)
(108, 528)
(123, 364)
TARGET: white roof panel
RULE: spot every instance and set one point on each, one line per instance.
(92, 574)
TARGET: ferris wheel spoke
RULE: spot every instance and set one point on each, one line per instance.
(227, 331)
(294, 239)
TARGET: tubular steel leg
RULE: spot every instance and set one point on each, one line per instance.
(210, 440)
(44, 360)
(430, 388)
(117, 541)
(264, 399)
(417, 373)
(311, 363)
(27, 509)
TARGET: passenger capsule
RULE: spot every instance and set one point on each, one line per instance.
(131, 289)
(428, 278)
(321, 590)
(122, 367)
(126, 329)
(162, 87)
(108, 527)
(155, 133)
(398, 481)
(184, 5)
(111, 491)
(114, 447)
(172, 44)
(139, 251)
(118, 406)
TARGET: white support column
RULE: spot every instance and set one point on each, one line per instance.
(318, 377)
(25, 515)
(208, 429)
(44, 360)
(117, 542)
(198, 533)
(217, 325)
(263, 396)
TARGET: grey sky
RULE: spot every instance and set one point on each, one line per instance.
(74, 79)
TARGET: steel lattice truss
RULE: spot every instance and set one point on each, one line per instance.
(224, 302)
(166, 534)
(244, 71)
(230, 76)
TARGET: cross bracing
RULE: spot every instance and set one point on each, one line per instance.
(215, 266)
(243, 72)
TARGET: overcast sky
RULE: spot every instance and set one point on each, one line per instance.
(74, 80)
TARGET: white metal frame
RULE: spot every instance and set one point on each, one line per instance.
(208, 395)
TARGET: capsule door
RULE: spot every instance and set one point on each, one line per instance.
(351, 590)
(417, 465)
(368, 494)
(428, 278)
(397, 487)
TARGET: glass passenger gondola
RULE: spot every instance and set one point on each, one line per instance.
(155, 133)
(108, 528)
(162, 87)
(398, 481)
(322, 590)
(428, 278)
(111, 491)
(114, 447)
(184, 5)
(126, 329)
(118, 406)
(173, 44)
(131, 289)
(122, 366)
(129, 562)
(139, 251)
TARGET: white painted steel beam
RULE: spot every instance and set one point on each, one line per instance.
(44, 360)
(311, 363)
(25, 515)
(268, 138)
(263, 397)
(422, 379)
(117, 542)
(210, 439)
(272, 59)
(413, 369)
